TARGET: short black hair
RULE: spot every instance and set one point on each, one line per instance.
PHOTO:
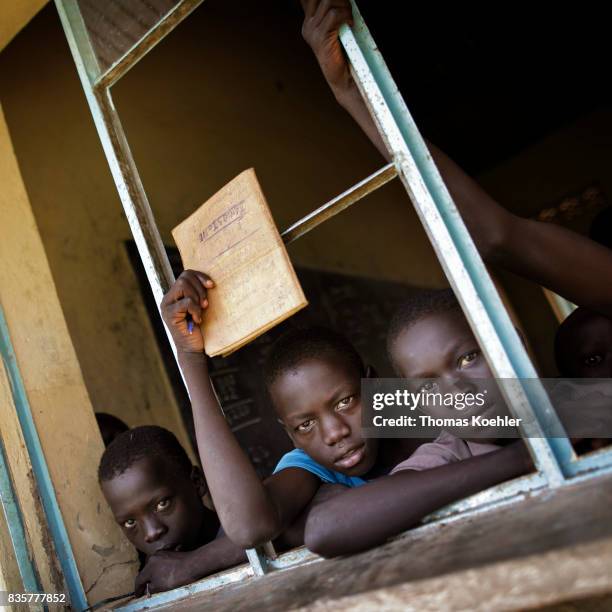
(297, 345)
(138, 443)
(417, 307)
(110, 426)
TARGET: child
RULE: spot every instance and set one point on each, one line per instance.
(313, 379)
(429, 337)
(156, 496)
(583, 345)
(583, 349)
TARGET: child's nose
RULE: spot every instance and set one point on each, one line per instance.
(334, 430)
(153, 531)
(452, 383)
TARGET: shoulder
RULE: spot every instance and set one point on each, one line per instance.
(445, 449)
(297, 458)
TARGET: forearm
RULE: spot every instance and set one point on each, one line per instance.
(351, 100)
(395, 503)
(547, 254)
(485, 219)
(215, 557)
(245, 509)
(293, 535)
(566, 262)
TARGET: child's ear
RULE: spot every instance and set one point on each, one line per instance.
(197, 477)
(370, 372)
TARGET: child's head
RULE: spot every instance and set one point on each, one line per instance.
(154, 491)
(430, 338)
(110, 426)
(583, 345)
(313, 377)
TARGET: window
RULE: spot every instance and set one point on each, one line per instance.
(105, 49)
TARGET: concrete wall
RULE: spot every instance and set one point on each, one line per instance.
(15, 15)
(59, 405)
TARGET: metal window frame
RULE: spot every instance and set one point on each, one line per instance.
(44, 485)
(554, 458)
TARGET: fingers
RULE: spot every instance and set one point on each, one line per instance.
(330, 7)
(325, 21)
(194, 285)
(309, 7)
(177, 312)
(204, 279)
(332, 21)
(191, 286)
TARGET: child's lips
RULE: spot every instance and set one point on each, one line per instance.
(169, 547)
(351, 458)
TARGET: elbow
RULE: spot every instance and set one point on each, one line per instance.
(320, 546)
(254, 532)
(321, 538)
(501, 235)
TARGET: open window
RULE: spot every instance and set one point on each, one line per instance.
(108, 41)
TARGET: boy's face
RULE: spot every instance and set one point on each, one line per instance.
(442, 346)
(319, 403)
(587, 349)
(157, 508)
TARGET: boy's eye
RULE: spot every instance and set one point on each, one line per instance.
(129, 524)
(468, 358)
(593, 360)
(163, 504)
(305, 426)
(345, 402)
(428, 387)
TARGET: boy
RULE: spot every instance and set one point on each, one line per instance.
(308, 371)
(583, 345)
(429, 337)
(313, 379)
(583, 349)
(156, 496)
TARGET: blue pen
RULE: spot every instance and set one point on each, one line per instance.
(189, 324)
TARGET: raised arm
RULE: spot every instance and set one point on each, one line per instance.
(564, 261)
(250, 512)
